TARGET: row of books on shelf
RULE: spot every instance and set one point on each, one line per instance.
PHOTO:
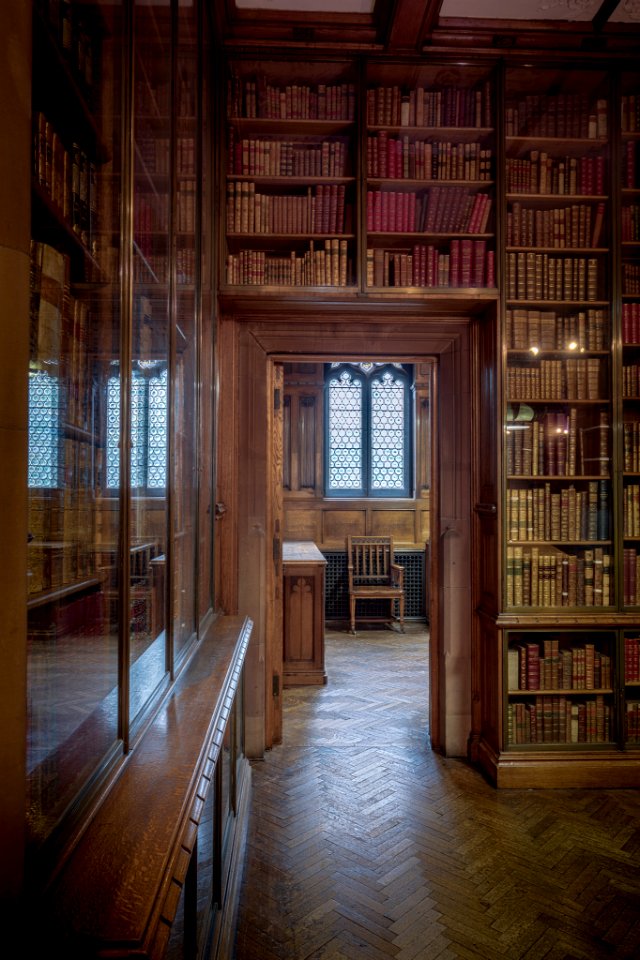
(559, 719)
(256, 97)
(150, 266)
(554, 667)
(154, 153)
(573, 378)
(264, 157)
(321, 209)
(630, 113)
(630, 577)
(440, 106)
(555, 176)
(540, 276)
(631, 509)
(631, 381)
(631, 322)
(151, 212)
(326, 265)
(153, 97)
(631, 659)
(549, 330)
(404, 158)
(60, 337)
(555, 578)
(631, 165)
(68, 177)
(186, 206)
(59, 563)
(75, 34)
(632, 721)
(552, 445)
(569, 115)
(561, 516)
(151, 209)
(579, 225)
(466, 263)
(631, 446)
(437, 210)
(630, 226)
(631, 279)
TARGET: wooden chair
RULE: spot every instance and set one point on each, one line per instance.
(373, 575)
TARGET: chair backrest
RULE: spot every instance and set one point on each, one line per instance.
(370, 559)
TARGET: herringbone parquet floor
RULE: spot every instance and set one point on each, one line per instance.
(365, 844)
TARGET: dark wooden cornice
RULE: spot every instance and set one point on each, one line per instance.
(399, 27)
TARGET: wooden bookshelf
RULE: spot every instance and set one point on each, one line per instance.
(291, 194)
(429, 188)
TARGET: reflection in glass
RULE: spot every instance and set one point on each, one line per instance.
(75, 327)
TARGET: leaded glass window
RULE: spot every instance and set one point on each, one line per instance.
(148, 430)
(344, 461)
(44, 426)
(368, 430)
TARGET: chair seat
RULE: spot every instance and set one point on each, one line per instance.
(373, 593)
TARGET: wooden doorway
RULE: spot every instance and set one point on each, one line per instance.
(256, 342)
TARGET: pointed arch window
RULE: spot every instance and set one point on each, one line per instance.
(148, 430)
(368, 430)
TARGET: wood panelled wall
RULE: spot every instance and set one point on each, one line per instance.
(307, 514)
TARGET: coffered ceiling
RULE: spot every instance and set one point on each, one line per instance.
(397, 25)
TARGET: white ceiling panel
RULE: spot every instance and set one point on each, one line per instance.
(628, 11)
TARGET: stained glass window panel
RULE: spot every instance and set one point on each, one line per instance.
(387, 433)
(148, 431)
(113, 433)
(44, 423)
(345, 432)
(157, 432)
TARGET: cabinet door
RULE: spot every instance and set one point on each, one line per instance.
(185, 344)
(148, 373)
(75, 323)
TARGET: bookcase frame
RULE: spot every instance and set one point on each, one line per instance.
(595, 216)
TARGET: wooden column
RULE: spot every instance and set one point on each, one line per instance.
(15, 186)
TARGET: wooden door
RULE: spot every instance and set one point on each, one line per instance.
(274, 644)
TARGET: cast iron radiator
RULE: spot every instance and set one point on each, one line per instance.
(336, 603)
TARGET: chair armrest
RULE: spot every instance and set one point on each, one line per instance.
(397, 574)
(350, 575)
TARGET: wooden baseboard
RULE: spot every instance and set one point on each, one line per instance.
(540, 770)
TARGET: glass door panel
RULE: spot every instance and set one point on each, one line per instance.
(186, 373)
(75, 340)
(150, 341)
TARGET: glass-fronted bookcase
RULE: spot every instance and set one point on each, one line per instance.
(120, 264)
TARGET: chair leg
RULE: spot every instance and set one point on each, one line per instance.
(352, 615)
(401, 602)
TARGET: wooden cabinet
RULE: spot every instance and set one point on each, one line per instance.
(303, 570)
